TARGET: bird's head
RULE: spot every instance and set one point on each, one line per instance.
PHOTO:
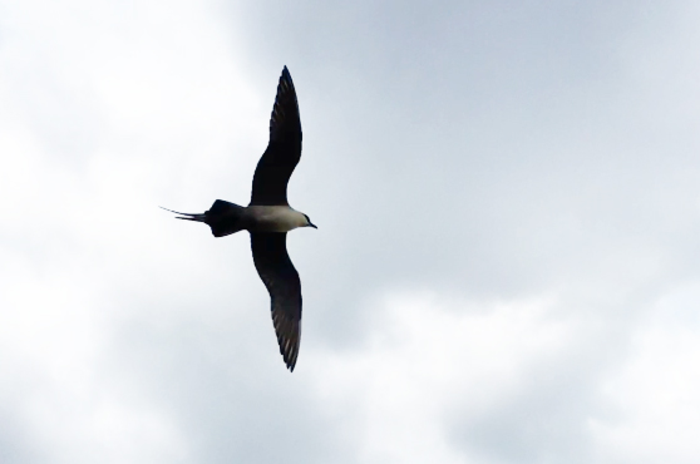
(309, 223)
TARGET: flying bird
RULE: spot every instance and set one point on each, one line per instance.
(269, 217)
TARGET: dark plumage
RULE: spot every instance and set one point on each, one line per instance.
(269, 217)
(284, 149)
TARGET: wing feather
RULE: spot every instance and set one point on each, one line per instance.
(283, 150)
(282, 281)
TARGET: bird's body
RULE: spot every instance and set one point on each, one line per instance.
(269, 217)
(226, 218)
(266, 218)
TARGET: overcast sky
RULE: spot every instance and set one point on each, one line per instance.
(507, 265)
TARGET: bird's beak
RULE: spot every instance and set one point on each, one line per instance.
(312, 225)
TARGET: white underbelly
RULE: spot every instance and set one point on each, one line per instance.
(274, 218)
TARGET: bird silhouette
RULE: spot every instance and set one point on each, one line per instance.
(269, 217)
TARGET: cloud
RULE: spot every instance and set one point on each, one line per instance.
(429, 363)
(653, 393)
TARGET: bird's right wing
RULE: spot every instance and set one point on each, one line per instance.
(283, 150)
(282, 281)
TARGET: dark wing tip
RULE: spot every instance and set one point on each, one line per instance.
(288, 332)
(285, 111)
(285, 78)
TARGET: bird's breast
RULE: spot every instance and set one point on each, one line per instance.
(274, 218)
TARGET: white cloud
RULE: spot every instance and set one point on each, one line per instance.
(104, 109)
(653, 396)
(426, 356)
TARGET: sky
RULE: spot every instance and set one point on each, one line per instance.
(505, 271)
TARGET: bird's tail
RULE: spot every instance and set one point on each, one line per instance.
(223, 217)
(188, 216)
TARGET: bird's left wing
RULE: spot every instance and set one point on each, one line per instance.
(283, 150)
(282, 281)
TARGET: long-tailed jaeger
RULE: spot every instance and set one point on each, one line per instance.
(269, 217)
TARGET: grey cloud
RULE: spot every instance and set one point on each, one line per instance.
(493, 152)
